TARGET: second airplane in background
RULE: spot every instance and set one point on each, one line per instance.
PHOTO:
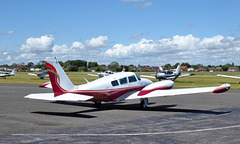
(166, 74)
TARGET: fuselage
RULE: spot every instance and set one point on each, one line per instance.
(113, 86)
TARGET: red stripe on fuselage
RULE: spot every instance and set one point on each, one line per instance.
(144, 92)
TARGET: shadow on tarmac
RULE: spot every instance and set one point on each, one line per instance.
(116, 106)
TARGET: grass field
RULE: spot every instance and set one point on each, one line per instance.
(200, 79)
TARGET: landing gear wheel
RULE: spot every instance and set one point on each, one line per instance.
(143, 103)
(97, 103)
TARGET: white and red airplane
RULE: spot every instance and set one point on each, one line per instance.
(227, 76)
(115, 87)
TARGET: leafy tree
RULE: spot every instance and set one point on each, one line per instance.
(41, 65)
(114, 65)
(30, 64)
(73, 68)
(176, 65)
(186, 64)
(167, 66)
(61, 63)
(92, 64)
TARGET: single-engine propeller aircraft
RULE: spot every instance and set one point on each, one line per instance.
(41, 75)
(115, 87)
(166, 74)
(227, 76)
(5, 74)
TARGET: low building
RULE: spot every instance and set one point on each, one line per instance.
(219, 68)
(20, 68)
(35, 69)
(200, 70)
(190, 69)
(233, 69)
(183, 68)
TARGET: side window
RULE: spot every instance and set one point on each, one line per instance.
(123, 80)
(132, 78)
(115, 83)
(138, 77)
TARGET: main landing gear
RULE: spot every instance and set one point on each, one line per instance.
(143, 103)
(97, 103)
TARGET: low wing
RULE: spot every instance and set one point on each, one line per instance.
(63, 97)
(235, 77)
(93, 75)
(146, 76)
(4, 75)
(32, 74)
(184, 75)
(174, 92)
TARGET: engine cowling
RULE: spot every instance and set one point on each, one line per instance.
(160, 85)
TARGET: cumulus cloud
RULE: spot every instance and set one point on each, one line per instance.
(4, 55)
(137, 36)
(10, 32)
(212, 50)
(36, 45)
(64, 49)
(180, 48)
(139, 5)
(97, 42)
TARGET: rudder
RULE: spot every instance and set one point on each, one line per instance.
(59, 79)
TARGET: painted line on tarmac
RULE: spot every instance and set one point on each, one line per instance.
(135, 134)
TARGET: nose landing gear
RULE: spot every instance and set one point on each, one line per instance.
(143, 103)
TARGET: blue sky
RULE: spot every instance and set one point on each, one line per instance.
(152, 32)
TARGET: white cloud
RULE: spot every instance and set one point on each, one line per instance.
(97, 42)
(147, 4)
(36, 45)
(64, 49)
(10, 32)
(213, 50)
(180, 49)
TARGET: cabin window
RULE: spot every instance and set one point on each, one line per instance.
(123, 80)
(115, 83)
(132, 78)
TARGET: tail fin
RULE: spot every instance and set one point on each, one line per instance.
(59, 79)
(178, 69)
(13, 71)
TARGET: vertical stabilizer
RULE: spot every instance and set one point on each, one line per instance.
(13, 71)
(59, 79)
(178, 69)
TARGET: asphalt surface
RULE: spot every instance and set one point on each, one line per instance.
(198, 118)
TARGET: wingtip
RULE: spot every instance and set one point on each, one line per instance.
(222, 88)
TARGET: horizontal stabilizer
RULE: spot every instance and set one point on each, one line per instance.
(63, 97)
(46, 85)
(146, 76)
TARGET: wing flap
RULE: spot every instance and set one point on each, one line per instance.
(63, 97)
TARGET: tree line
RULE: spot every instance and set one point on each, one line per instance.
(84, 66)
